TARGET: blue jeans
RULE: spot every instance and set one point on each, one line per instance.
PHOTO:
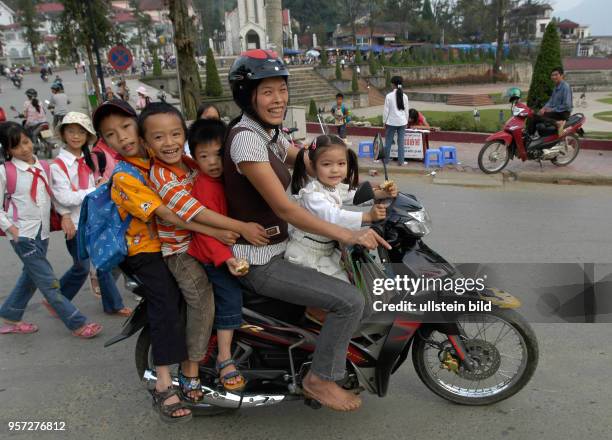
(228, 297)
(111, 298)
(75, 277)
(38, 273)
(389, 132)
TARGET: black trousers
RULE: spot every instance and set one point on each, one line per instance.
(163, 306)
(547, 118)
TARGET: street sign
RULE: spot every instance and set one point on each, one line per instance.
(120, 58)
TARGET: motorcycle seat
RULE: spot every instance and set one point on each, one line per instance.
(275, 308)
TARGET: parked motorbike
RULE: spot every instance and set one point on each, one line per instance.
(472, 358)
(514, 141)
(40, 135)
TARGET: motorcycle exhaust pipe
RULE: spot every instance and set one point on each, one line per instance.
(226, 399)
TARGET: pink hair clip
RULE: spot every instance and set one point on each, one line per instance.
(313, 144)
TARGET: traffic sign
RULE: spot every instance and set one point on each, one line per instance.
(120, 58)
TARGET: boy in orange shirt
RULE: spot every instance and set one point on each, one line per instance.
(116, 122)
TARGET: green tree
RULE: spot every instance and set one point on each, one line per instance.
(427, 13)
(354, 82)
(358, 57)
(549, 57)
(157, 67)
(184, 36)
(374, 67)
(396, 58)
(324, 59)
(338, 69)
(312, 110)
(75, 31)
(29, 20)
(213, 82)
(144, 27)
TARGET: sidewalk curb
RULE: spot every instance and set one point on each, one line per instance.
(559, 178)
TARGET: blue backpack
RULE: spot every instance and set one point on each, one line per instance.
(101, 232)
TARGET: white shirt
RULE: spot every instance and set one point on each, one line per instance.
(327, 204)
(68, 199)
(391, 114)
(32, 217)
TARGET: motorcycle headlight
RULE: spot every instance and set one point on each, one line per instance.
(516, 111)
(419, 223)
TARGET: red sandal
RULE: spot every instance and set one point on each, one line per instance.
(23, 328)
(88, 331)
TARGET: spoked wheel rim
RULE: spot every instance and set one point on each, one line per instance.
(569, 150)
(494, 157)
(499, 349)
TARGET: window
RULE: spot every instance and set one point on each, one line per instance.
(542, 28)
(9, 36)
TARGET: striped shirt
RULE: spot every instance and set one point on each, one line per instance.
(174, 185)
(252, 146)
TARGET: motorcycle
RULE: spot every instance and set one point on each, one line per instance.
(514, 141)
(40, 134)
(470, 358)
(17, 79)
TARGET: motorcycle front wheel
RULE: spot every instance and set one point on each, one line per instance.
(505, 350)
(493, 157)
(144, 361)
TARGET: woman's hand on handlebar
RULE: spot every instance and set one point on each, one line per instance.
(367, 238)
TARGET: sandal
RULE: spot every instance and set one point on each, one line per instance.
(189, 385)
(94, 284)
(124, 312)
(88, 331)
(50, 308)
(241, 382)
(23, 328)
(166, 411)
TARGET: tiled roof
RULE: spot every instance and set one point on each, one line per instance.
(50, 8)
(587, 63)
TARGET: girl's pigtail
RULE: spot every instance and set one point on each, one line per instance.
(88, 159)
(352, 175)
(300, 176)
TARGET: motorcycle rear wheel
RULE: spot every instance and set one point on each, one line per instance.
(493, 157)
(144, 361)
(471, 393)
(571, 147)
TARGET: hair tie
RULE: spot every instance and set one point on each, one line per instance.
(313, 145)
(399, 86)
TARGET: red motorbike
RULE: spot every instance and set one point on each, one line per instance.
(514, 141)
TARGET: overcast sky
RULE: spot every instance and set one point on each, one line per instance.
(563, 5)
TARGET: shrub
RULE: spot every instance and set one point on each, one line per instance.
(374, 67)
(354, 82)
(549, 57)
(312, 110)
(358, 57)
(338, 69)
(213, 82)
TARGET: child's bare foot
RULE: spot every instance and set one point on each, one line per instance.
(329, 394)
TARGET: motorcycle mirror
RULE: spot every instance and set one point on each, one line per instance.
(47, 102)
(12, 107)
(379, 153)
(364, 193)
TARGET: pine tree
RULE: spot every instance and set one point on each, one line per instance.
(157, 67)
(374, 67)
(338, 69)
(324, 60)
(358, 57)
(427, 11)
(396, 58)
(213, 82)
(312, 110)
(549, 57)
(354, 82)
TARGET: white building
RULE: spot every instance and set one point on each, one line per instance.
(13, 45)
(245, 27)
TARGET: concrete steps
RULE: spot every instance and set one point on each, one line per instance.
(470, 100)
(304, 84)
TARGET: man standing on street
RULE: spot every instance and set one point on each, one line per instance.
(559, 106)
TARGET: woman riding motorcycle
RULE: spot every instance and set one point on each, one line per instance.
(33, 112)
(256, 175)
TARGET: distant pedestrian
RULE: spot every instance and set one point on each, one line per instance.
(161, 95)
(358, 71)
(342, 62)
(76, 68)
(83, 65)
(476, 114)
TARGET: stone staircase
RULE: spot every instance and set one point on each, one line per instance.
(304, 84)
(470, 100)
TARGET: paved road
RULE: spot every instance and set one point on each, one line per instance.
(52, 376)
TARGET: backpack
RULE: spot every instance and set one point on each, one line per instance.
(101, 232)
(11, 186)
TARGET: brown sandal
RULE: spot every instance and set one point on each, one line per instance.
(166, 411)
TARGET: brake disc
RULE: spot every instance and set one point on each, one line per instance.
(486, 357)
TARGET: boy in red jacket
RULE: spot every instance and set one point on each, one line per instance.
(205, 140)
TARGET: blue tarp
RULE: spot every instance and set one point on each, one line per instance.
(292, 52)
